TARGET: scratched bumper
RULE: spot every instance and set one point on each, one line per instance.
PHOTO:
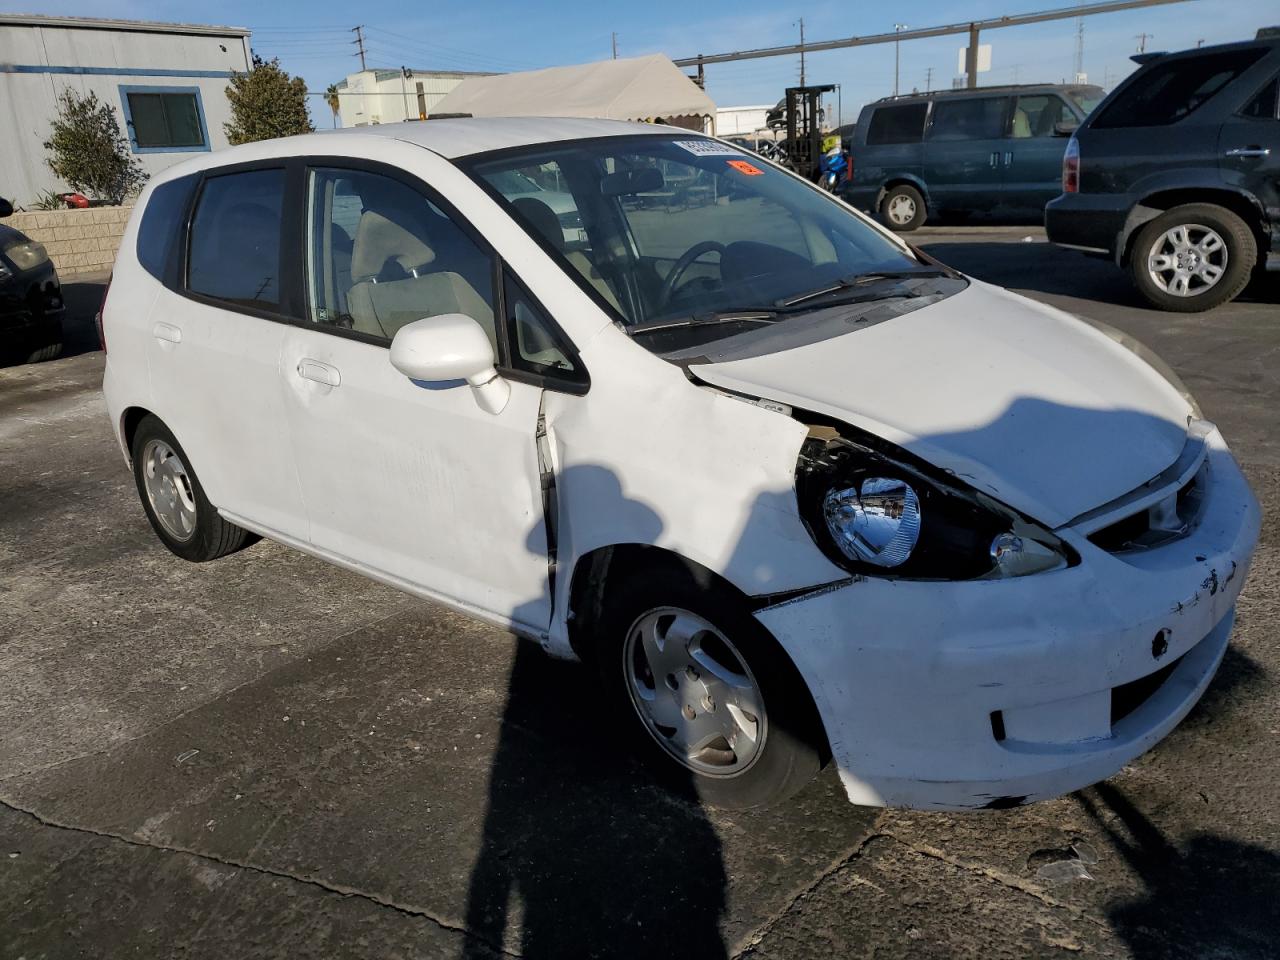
(994, 692)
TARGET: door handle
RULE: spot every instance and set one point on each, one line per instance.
(995, 159)
(1008, 159)
(167, 332)
(1248, 152)
(309, 369)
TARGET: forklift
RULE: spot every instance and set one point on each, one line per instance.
(804, 128)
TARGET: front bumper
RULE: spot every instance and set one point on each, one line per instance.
(910, 677)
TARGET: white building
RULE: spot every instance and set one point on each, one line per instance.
(389, 96)
(167, 82)
(734, 121)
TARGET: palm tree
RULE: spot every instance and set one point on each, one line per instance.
(331, 97)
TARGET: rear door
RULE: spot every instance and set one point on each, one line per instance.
(963, 152)
(214, 348)
(1249, 152)
(1032, 159)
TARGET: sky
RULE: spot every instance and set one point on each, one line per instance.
(314, 39)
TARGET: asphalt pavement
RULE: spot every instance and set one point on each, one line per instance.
(270, 757)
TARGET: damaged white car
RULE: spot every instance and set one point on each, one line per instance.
(799, 492)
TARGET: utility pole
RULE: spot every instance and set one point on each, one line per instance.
(1079, 45)
(359, 42)
(897, 28)
(802, 51)
(928, 80)
(615, 45)
(404, 90)
(1142, 39)
(1199, 43)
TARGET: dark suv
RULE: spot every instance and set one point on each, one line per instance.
(988, 151)
(31, 307)
(1176, 175)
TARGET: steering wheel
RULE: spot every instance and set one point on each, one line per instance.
(680, 266)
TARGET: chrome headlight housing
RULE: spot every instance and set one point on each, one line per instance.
(881, 512)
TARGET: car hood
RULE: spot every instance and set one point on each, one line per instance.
(1019, 400)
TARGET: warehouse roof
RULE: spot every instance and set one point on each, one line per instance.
(122, 26)
(635, 88)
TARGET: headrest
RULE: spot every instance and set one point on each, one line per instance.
(542, 218)
(379, 239)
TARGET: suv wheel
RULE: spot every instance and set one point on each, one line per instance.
(1193, 257)
(704, 694)
(902, 208)
(181, 515)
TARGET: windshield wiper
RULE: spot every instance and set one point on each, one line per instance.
(859, 280)
(704, 319)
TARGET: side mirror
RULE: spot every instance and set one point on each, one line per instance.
(1065, 128)
(450, 347)
(6, 208)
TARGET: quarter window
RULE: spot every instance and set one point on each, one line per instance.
(161, 119)
(904, 124)
(975, 118)
(235, 239)
(535, 345)
(1168, 91)
(1263, 106)
(381, 255)
(160, 233)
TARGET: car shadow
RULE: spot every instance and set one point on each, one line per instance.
(83, 297)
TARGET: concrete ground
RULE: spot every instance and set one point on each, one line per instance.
(266, 756)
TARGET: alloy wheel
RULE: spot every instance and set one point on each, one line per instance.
(169, 490)
(1187, 260)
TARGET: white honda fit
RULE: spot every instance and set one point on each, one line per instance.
(798, 491)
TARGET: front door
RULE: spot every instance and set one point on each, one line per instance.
(963, 153)
(411, 481)
(1032, 159)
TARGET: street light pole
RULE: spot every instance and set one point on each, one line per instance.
(897, 28)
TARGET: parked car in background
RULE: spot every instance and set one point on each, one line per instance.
(31, 307)
(794, 490)
(1176, 176)
(993, 151)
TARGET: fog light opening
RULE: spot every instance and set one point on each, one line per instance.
(1160, 644)
(997, 725)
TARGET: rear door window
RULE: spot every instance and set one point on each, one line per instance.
(1263, 105)
(904, 124)
(975, 118)
(1171, 90)
(235, 239)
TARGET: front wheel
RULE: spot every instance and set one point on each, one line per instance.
(705, 694)
(175, 503)
(902, 208)
(1193, 257)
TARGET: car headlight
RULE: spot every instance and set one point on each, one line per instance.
(26, 254)
(883, 513)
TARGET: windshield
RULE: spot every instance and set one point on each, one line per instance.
(670, 227)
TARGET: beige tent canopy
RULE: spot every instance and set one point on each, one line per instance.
(636, 88)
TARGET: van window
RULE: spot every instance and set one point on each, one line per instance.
(1170, 90)
(974, 118)
(381, 255)
(160, 232)
(904, 124)
(235, 239)
(1036, 116)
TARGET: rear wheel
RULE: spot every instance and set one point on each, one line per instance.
(902, 208)
(175, 503)
(1193, 257)
(704, 694)
(49, 351)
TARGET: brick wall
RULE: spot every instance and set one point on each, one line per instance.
(78, 241)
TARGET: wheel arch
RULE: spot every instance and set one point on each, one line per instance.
(905, 180)
(129, 420)
(1244, 205)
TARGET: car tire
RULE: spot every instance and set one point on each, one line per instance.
(175, 502)
(902, 208)
(718, 638)
(1193, 257)
(49, 351)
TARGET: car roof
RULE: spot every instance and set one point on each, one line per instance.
(979, 92)
(462, 137)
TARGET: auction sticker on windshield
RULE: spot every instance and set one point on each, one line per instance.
(745, 166)
(707, 148)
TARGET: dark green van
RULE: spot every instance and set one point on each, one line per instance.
(993, 150)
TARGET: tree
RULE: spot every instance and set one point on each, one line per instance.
(266, 102)
(331, 97)
(89, 152)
